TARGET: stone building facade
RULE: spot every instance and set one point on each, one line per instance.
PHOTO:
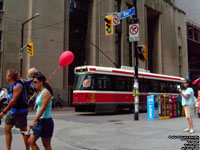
(193, 35)
(78, 26)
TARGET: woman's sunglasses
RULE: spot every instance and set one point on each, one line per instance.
(35, 82)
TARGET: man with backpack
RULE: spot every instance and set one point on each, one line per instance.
(17, 108)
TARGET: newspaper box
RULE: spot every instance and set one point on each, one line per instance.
(152, 107)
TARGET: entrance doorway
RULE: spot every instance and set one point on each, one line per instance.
(152, 27)
(77, 31)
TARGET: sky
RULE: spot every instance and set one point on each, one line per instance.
(192, 9)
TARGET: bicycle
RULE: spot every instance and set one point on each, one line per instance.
(31, 101)
(57, 102)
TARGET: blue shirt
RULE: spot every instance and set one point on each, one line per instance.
(15, 110)
(47, 112)
(189, 101)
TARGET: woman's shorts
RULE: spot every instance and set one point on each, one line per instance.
(44, 128)
(189, 111)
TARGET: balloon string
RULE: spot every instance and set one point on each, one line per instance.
(53, 73)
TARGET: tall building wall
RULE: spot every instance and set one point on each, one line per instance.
(12, 35)
(191, 7)
(48, 37)
(47, 34)
(165, 19)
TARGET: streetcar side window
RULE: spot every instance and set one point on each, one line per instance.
(120, 83)
(129, 83)
(174, 87)
(146, 85)
(143, 85)
(83, 81)
(163, 86)
(154, 85)
(93, 83)
(171, 87)
(103, 82)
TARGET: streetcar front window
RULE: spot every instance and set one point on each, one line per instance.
(83, 82)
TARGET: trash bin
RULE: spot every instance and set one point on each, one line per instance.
(152, 107)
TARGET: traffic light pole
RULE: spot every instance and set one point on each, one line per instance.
(21, 52)
(22, 41)
(136, 83)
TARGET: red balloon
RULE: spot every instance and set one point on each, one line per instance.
(66, 58)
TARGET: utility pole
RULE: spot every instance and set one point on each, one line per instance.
(22, 41)
(136, 83)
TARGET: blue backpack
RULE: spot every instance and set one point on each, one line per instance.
(22, 100)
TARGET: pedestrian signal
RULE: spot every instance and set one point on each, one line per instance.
(142, 52)
(30, 49)
(109, 25)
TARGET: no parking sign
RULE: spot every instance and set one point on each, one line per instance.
(116, 19)
(133, 32)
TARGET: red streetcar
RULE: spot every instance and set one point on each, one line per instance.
(105, 89)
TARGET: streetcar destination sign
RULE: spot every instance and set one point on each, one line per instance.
(127, 13)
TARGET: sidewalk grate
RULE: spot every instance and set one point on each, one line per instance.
(86, 148)
(114, 120)
(118, 123)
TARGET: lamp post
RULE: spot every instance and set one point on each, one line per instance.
(22, 41)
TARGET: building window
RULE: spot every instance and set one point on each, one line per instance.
(118, 34)
(179, 33)
(78, 21)
(0, 40)
(196, 32)
(1, 4)
(117, 5)
(190, 31)
(0, 47)
(118, 48)
(130, 54)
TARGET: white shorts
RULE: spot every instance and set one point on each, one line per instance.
(189, 111)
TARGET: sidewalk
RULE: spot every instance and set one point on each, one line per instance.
(143, 134)
(129, 135)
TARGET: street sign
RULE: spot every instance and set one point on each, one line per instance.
(116, 19)
(127, 13)
(187, 76)
(133, 32)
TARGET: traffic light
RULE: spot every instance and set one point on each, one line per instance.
(109, 25)
(142, 52)
(30, 48)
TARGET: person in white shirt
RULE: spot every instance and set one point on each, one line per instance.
(187, 101)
